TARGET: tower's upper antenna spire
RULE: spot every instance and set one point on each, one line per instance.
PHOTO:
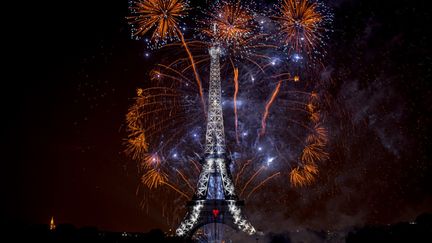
(215, 33)
(214, 28)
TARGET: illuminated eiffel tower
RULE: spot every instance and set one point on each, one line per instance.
(215, 200)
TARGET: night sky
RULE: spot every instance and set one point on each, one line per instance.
(75, 70)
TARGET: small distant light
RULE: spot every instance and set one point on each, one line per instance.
(274, 61)
(269, 160)
(195, 135)
(244, 134)
(297, 57)
(175, 155)
(296, 78)
(147, 54)
(262, 22)
(252, 78)
(302, 38)
(184, 28)
(259, 148)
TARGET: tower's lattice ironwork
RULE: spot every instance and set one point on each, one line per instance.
(215, 200)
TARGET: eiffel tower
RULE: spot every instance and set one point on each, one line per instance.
(215, 200)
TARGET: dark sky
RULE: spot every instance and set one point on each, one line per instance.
(75, 71)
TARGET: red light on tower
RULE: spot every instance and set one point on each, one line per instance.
(215, 212)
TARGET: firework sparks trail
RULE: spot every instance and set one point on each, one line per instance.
(185, 180)
(267, 108)
(176, 189)
(251, 178)
(195, 166)
(241, 171)
(184, 78)
(255, 63)
(154, 178)
(261, 184)
(236, 87)
(194, 70)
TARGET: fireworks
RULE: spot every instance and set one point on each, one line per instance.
(233, 22)
(233, 25)
(236, 86)
(154, 178)
(267, 107)
(162, 16)
(157, 122)
(301, 25)
(251, 178)
(151, 161)
(155, 110)
(300, 176)
(262, 183)
(314, 150)
(273, 132)
(137, 145)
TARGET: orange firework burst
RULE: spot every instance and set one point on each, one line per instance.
(303, 176)
(318, 136)
(234, 23)
(314, 151)
(161, 15)
(155, 122)
(143, 118)
(300, 24)
(154, 178)
(151, 161)
(311, 168)
(136, 144)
